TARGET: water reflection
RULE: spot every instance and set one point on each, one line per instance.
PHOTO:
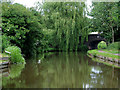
(96, 70)
(62, 70)
(11, 74)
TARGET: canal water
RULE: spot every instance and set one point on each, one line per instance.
(61, 70)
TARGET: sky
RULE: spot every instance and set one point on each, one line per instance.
(89, 3)
(27, 3)
(31, 3)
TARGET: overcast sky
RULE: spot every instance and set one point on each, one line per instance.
(31, 3)
(27, 3)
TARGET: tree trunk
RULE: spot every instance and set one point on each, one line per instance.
(112, 35)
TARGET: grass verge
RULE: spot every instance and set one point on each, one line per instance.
(105, 53)
(106, 63)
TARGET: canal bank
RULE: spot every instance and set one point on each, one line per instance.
(108, 57)
(4, 59)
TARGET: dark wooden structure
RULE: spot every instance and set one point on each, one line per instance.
(93, 40)
(4, 66)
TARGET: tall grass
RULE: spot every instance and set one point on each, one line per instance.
(15, 53)
(115, 46)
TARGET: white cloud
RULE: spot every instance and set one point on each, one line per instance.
(27, 3)
(89, 3)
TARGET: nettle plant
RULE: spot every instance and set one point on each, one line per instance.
(15, 53)
(102, 45)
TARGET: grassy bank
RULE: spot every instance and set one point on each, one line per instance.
(106, 63)
(3, 55)
(110, 54)
(114, 54)
(2, 61)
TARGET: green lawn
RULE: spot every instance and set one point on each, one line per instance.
(107, 53)
(112, 51)
(1, 61)
(3, 55)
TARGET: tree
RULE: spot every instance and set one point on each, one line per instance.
(21, 27)
(14, 23)
(105, 19)
(67, 21)
(50, 26)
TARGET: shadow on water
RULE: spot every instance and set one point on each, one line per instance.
(62, 70)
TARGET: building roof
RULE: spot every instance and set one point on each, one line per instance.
(94, 33)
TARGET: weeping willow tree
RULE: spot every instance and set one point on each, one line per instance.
(68, 20)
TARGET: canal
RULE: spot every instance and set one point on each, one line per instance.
(61, 70)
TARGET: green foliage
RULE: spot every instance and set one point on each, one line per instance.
(14, 23)
(55, 26)
(50, 26)
(93, 52)
(113, 46)
(5, 42)
(22, 27)
(16, 56)
(102, 45)
(67, 22)
(105, 19)
(83, 48)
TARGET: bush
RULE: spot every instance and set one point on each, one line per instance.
(102, 45)
(5, 42)
(115, 46)
(16, 56)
